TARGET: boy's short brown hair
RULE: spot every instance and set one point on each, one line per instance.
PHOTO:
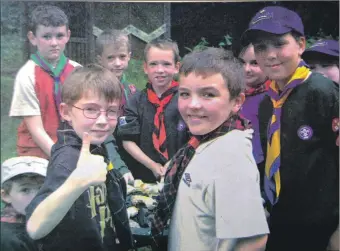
(47, 15)
(93, 78)
(215, 61)
(163, 44)
(111, 36)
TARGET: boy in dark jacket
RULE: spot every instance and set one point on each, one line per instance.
(299, 131)
(152, 129)
(81, 205)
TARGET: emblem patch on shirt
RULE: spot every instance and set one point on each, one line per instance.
(122, 120)
(187, 179)
(132, 89)
(305, 132)
(181, 125)
(335, 125)
(335, 128)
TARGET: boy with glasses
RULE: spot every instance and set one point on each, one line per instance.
(81, 205)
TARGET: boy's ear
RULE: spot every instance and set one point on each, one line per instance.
(302, 45)
(64, 110)
(5, 197)
(145, 67)
(129, 56)
(238, 102)
(99, 59)
(31, 37)
(68, 35)
(177, 65)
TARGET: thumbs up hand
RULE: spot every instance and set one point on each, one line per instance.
(91, 169)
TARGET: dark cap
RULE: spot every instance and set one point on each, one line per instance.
(275, 20)
(324, 46)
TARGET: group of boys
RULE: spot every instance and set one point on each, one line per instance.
(61, 117)
(89, 121)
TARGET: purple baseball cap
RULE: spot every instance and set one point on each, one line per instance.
(324, 46)
(276, 20)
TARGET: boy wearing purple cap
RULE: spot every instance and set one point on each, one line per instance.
(299, 128)
(323, 57)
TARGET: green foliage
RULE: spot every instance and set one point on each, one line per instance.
(135, 74)
(203, 43)
(227, 41)
(319, 35)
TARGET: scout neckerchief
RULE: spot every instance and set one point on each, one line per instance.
(159, 133)
(263, 87)
(178, 165)
(272, 182)
(55, 73)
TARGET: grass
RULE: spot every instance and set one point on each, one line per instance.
(11, 51)
(8, 125)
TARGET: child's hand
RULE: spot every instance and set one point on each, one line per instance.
(91, 169)
(158, 170)
(129, 179)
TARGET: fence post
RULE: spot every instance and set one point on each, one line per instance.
(167, 19)
(90, 37)
(24, 30)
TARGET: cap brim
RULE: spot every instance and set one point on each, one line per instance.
(272, 28)
(39, 170)
(322, 50)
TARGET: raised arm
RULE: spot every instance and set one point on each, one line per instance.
(90, 170)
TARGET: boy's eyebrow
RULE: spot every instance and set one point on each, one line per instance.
(207, 88)
(182, 89)
(89, 104)
(160, 61)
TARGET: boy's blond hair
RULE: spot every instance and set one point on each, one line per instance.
(93, 78)
(163, 44)
(118, 38)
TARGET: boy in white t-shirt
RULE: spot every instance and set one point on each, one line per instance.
(211, 190)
